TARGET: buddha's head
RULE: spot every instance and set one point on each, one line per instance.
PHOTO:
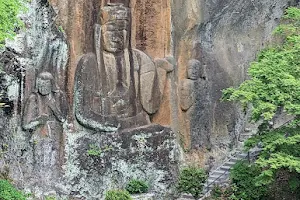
(115, 21)
(44, 83)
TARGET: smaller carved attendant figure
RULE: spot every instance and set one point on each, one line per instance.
(187, 89)
(44, 105)
(44, 113)
(194, 93)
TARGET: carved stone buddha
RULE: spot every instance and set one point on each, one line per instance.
(117, 86)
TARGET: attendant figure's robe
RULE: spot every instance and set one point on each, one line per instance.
(43, 116)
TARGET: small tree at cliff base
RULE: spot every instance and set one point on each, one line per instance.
(191, 181)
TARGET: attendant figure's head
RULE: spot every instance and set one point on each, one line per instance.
(44, 83)
(195, 70)
(116, 22)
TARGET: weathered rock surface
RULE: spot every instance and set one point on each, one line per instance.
(144, 197)
(97, 162)
(66, 159)
(225, 37)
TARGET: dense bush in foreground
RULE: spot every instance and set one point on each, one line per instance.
(191, 181)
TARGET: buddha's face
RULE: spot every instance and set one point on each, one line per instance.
(115, 36)
(44, 86)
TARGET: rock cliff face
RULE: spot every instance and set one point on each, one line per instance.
(180, 55)
(225, 37)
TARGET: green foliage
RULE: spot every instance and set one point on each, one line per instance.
(243, 177)
(117, 195)
(8, 192)
(137, 186)
(94, 150)
(217, 192)
(294, 183)
(191, 181)
(281, 150)
(274, 85)
(292, 14)
(224, 193)
(9, 22)
(275, 76)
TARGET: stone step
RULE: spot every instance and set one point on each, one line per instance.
(243, 155)
(219, 177)
(247, 129)
(229, 163)
(234, 159)
(226, 168)
(246, 134)
(214, 176)
(210, 180)
(217, 172)
(257, 150)
(146, 196)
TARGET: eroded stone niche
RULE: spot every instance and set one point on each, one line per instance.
(151, 30)
(117, 86)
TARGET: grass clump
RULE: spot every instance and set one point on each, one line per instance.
(136, 186)
(117, 195)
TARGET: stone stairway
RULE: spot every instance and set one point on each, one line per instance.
(220, 175)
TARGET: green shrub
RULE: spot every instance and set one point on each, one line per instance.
(243, 176)
(137, 186)
(216, 192)
(191, 181)
(8, 192)
(117, 195)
